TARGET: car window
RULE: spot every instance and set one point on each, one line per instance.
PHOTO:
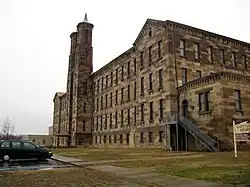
(28, 145)
(5, 144)
(16, 144)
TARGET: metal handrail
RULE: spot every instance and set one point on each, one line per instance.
(207, 140)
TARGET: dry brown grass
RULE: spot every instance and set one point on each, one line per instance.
(219, 167)
(59, 178)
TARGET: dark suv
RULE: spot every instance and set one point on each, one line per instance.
(14, 149)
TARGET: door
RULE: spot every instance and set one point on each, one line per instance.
(30, 150)
(5, 148)
(185, 108)
(16, 150)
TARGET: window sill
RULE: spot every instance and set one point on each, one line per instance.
(239, 112)
(205, 112)
(160, 58)
(150, 91)
(161, 120)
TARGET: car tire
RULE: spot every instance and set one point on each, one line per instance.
(6, 158)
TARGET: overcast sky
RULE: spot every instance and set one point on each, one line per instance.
(35, 43)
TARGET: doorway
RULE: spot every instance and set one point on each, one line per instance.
(185, 108)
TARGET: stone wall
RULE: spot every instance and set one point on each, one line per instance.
(218, 120)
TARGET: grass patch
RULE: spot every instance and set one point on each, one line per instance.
(60, 177)
(89, 154)
(217, 167)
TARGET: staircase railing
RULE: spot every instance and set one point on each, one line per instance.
(195, 131)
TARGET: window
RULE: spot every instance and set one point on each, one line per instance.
(238, 100)
(100, 139)
(104, 139)
(110, 121)
(134, 90)
(102, 84)
(142, 112)
(116, 97)
(182, 48)
(84, 106)
(106, 100)
(111, 95)
(161, 108)
(96, 139)
(151, 81)
(160, 79)
(115, 138)
(141, 138)
(107, 81)
(16, 144)
(196, 51)
(128, 70)
(101, 102)
(128, 117)
(122, 92)
(83, 125)
(150, 33)
(244, 59)
(96, 123)
(121, 138)
(210, 53)
(110, 139)
(122, 73)
(234, 59)
(101, 123)
(159, 49)
(97, 104)
(111, 78)
(106, 122)
(142, 60)
(116, 119)
(44, 141)
(184, 75)
(151, 110)
(150, 137)
(122, 116)
(116, 76)
(160, 136)
(5, 144)
(98, 86)
(198, 74)
(150, 54)
(34, 140)
(142, 86)
(204, 102)
(85, 86)
(127, 138)
(222, 56)
(27, 145)
(135, 116)
(134, 66)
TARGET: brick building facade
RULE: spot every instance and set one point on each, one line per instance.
(177, 87)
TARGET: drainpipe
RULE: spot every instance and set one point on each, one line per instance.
(178, 95)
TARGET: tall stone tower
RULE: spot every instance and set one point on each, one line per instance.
(79, 85)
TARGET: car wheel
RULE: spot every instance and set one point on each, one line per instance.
(6, 158)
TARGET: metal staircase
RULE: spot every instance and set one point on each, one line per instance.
(204, 139)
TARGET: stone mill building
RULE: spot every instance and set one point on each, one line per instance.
(177, 88)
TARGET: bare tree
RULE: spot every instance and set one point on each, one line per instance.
(8, 129)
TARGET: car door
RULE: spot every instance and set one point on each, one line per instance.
(5, 149)
(16, 150)
(30, 150)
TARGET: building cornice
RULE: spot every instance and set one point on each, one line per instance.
(211, 79)
(114, 61)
